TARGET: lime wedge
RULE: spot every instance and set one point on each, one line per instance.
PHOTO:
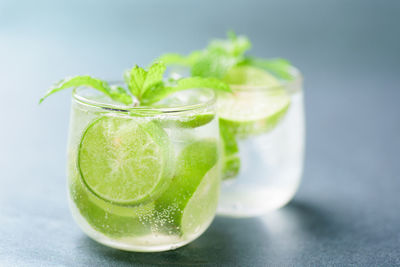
(257, 106)
(191, 121)
(125, 160)
(109, 219)
(193, 193)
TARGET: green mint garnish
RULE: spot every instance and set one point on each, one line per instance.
(215, 60)
(222, 55)
(278, 66)
(139, 80)
(114, 92)
(177, 59)
(213, 64)
(147, 86)
(235, 46)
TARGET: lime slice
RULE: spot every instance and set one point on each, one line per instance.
(251, 76)
(192, 195)
(125, 160)
(109, 219)
(201, 207)
(250, 110)
(191, 121)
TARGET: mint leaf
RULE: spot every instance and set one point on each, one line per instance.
(199, 82)
(139, 80)
(161, 91)
(278, 66)
(213, 64)
(154, 76)
(235, 46)
(117, 94)
(177, 59)
(155, 94)
(135, 79)
(220, 56)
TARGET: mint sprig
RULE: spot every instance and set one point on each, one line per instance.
(235, 46)
(116, 93)
(147, 86)
(223, 54)
(214, 61)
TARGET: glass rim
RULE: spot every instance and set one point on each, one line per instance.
(122, 108)
(297, 80)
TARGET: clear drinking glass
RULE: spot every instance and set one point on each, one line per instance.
(143, 179)
(265, 155)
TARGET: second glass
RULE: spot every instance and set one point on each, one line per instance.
(263, 136)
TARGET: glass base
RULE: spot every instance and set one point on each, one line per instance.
(153, 242)
(138, 248)
(252, 201)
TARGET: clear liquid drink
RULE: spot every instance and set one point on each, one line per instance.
(144, 179)
(263, 131)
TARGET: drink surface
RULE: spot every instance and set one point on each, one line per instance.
(144, 180)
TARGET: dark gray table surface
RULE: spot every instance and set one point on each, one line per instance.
(347, 210)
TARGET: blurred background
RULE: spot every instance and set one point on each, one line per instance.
(347, 208)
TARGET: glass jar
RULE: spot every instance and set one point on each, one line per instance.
(143, 178)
